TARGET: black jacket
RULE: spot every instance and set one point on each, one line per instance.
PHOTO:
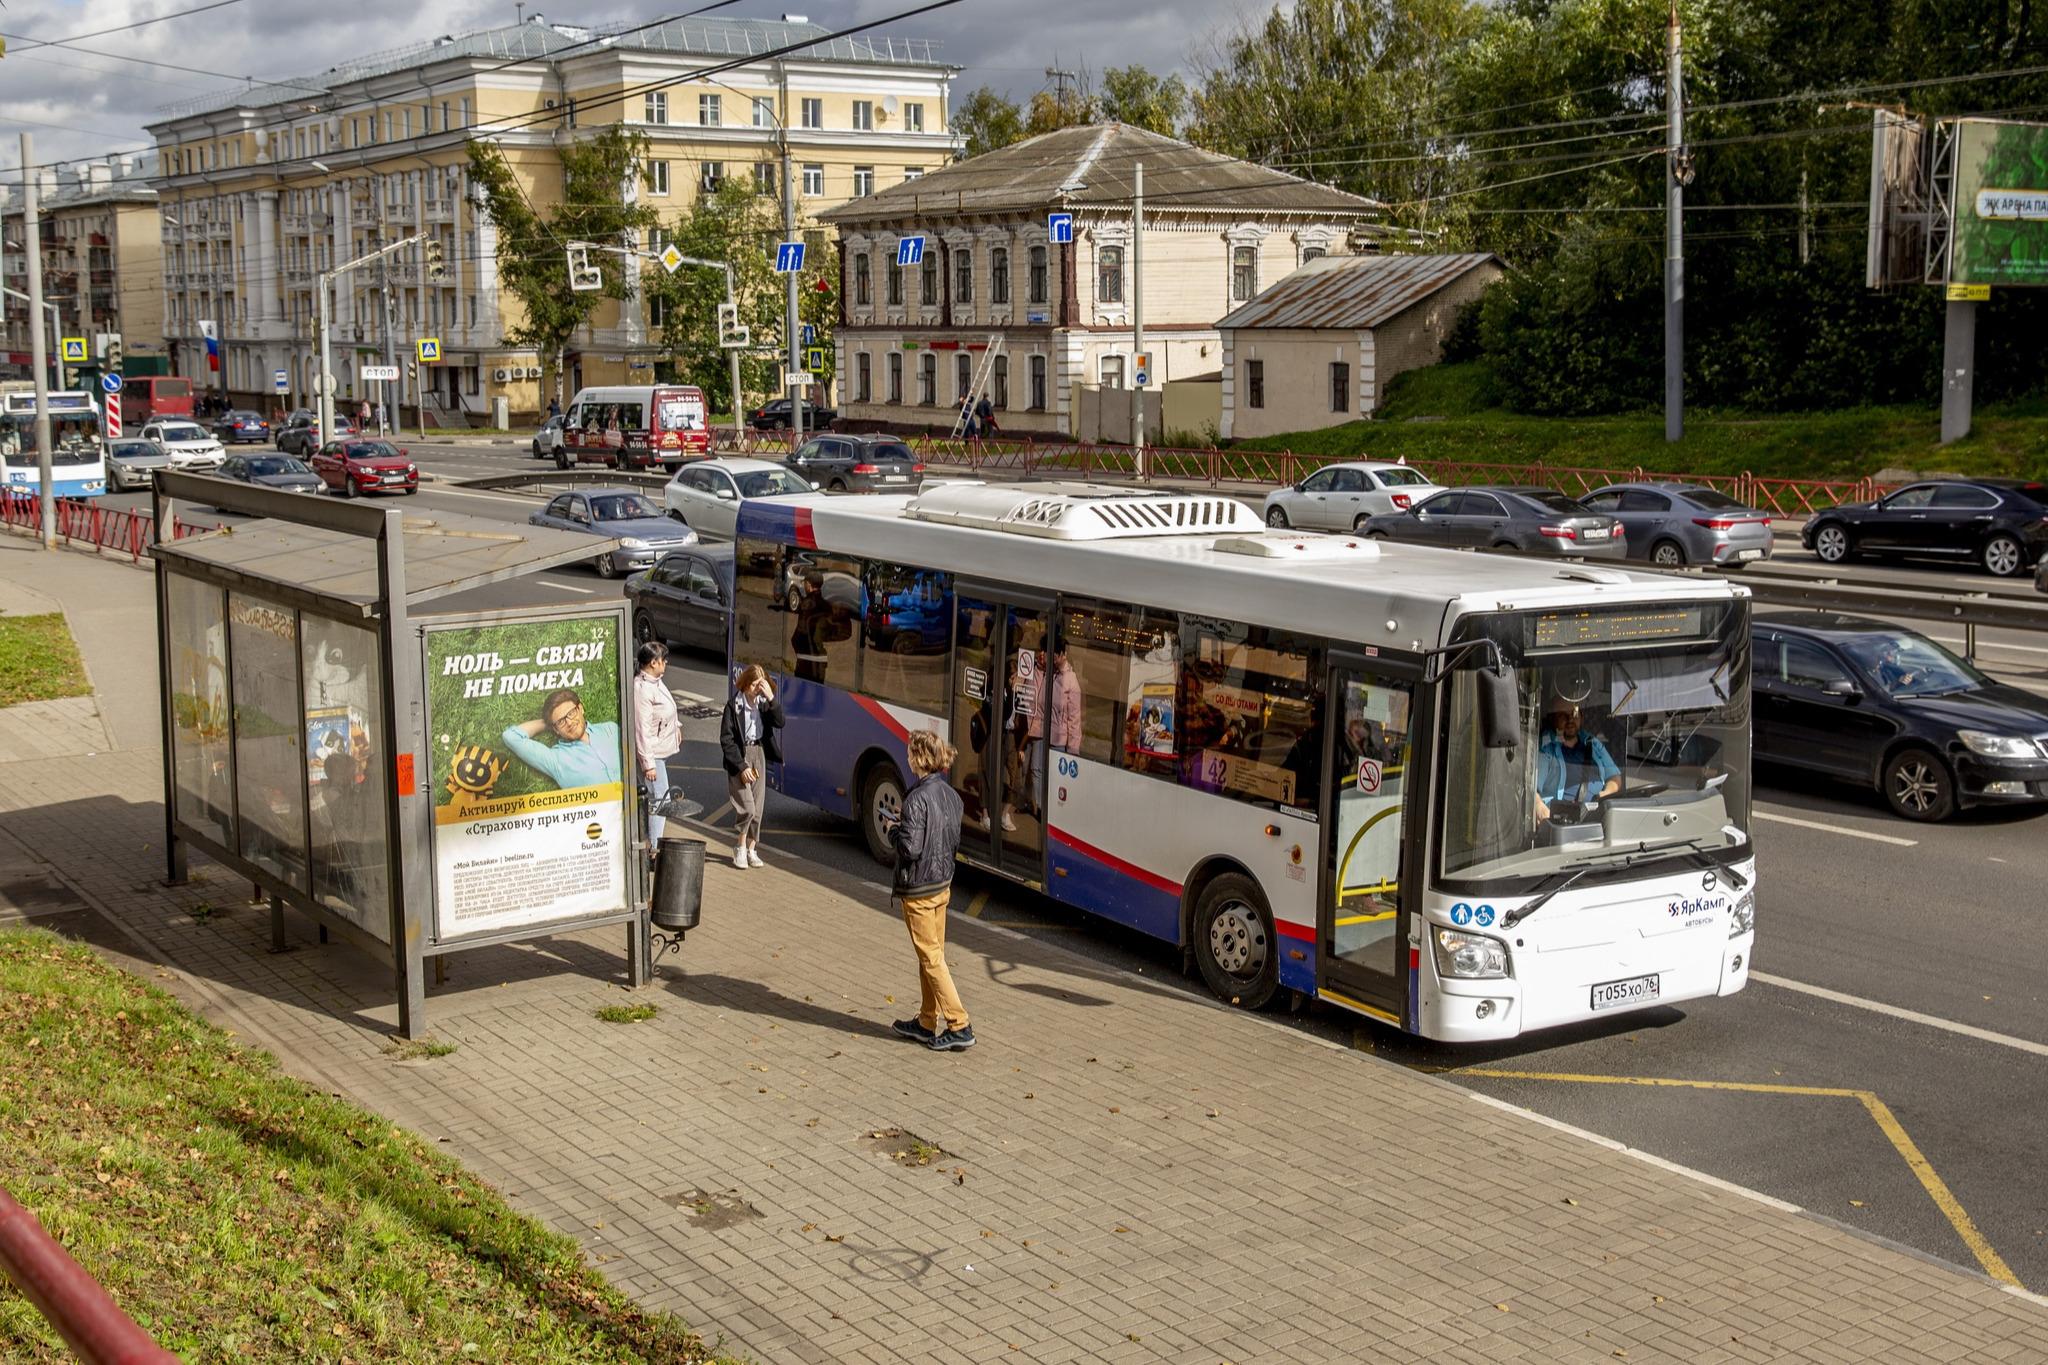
(926, 838)
(732, 746)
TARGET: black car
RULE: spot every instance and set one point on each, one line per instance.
(685, 599)
(241, 425)
(775, 416)
(282, 472)
(2002, 524)
(1888, 708)
(858, 464)
(1505, 517)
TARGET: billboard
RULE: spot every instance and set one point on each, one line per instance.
(528, 768)
(2000, 235)
(1897, 251)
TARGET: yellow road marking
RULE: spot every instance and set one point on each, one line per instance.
(977, 905)
(1887, 1123)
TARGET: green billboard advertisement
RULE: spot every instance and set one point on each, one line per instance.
(2001, 204)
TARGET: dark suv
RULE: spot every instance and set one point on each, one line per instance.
(2002, 524)
(774, 416)
(858, 464)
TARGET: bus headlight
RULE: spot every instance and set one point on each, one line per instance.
(1742, 918)
(1469, 956)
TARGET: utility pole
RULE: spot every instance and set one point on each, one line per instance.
(1059, 79)
(1676, 173)
(32, 247)
(790, 324)
(396, 388)
(1138, 316)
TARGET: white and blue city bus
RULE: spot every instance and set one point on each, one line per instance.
(1468, 795)
(78, 465)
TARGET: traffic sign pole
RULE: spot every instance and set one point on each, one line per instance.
(31, 237)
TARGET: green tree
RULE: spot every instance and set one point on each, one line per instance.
(732, 224)
(1133, 95)
(1049, 112)
(532, 245)
(988, 121)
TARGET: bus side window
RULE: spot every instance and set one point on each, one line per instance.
(1123, 662)
(1247, 697)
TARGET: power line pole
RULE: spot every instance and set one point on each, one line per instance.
(32, 247)
(790, 325)
(1138, 315)
(1059, 79)
(1676, 173)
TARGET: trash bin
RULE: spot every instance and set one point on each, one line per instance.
(501, 412)
(678, 885)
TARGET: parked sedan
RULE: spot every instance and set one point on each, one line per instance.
(2001, 524)
(685, 599)
(233, 428)
(133, 463)
(1499, 517)
(188, 444)
(706, 496)
(547, 438)
(1886, 707)
(301, 434)
(282, 472)
(621, 514)
(1676, 524)
(1338, 497)
(858, 464)
(775, 416)
(352, 467)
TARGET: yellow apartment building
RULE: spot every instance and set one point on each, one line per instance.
(262, 189)
(100, 259)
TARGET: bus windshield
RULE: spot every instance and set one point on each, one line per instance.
(1633, 745)
(74, 438)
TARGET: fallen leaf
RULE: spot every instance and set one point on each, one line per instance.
(1504, 1308)
(890, 998)
(1115, 1109)
(1855, 1203)
(986, 1233)
(1121, 1228)
(1573, 1202)
(1030, 1094)
(808, 1227)
(831, 1238)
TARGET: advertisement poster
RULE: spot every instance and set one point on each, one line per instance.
(527, 774)
(2001, 204)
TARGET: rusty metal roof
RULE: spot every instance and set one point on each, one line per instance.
(1090, 167)
(1352, 293)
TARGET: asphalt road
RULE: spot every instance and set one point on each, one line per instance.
(1887, 1067)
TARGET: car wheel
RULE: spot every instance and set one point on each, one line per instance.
(348, 486)
(561, 459)
(1376, 535)
(794, 598)
(836, 486)
(643, 628)
(604, 566)
(1276, 517)
(2003, 556)
(1831, 543)
(881, 802)
(1358, 525)
(1235, 945)
(1918, 785)
(1666, 554)
(677, 516)
(904, 645)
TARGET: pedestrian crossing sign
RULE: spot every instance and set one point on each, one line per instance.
(74, 350)
(814, 359)
(430, 350)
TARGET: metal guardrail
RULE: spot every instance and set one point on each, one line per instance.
(1970, 610)
(86, 522)
(567, 478)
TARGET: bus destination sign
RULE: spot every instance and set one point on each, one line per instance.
(1565, 629)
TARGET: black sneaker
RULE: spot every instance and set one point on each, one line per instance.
(911, 1029)
(952, 1040)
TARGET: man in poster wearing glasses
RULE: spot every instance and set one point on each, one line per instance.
(585, 752)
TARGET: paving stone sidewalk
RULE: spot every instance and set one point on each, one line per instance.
(1121, 1171)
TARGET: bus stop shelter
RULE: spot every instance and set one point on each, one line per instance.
(416, 776)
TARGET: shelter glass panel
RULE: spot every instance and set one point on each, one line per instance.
(201, 752)
(270, 766)
(345, 772)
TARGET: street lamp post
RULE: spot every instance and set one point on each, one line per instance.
(32, 248)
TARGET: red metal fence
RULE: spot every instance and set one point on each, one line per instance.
(84, 1314)
(86, 522)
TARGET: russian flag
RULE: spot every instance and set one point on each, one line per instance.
(211, 333)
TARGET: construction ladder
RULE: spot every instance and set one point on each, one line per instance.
(989, 353)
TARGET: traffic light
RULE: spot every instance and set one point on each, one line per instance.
(412, 369)
(732, 336)
(113, 353)
(435, 269)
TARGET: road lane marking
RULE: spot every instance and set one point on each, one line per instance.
(441, 491)
(1983, 645)
(1982, 1035)
(977, 905)
(1887, 1122)
(567, 587)
(1892, 839)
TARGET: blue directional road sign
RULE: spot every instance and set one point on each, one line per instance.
(1059, 227)
(910, 251)
(789, 258)
(111, 383)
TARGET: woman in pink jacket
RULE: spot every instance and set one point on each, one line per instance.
(657, 733)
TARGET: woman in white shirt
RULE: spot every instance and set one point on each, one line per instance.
(657, 733)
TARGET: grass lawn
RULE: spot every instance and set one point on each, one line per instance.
(1444, 412)
(39, 660)
(242, 1217)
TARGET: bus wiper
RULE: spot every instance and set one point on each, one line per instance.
(1522, 912)
(1704, 858)
(1625, 858)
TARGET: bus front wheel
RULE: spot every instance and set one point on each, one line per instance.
(881, 805)
(1235, 945)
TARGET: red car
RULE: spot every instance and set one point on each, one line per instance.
(352, 467)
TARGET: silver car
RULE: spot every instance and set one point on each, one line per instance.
(133, 463)
(643, 533)
(1338, 497)
(1676, 524)
(1524, 517)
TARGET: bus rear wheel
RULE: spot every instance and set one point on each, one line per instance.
(881, 805)
(1235, 944)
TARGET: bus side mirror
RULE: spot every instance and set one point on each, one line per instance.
(1499, 710)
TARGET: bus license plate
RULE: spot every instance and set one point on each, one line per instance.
(1637, 990)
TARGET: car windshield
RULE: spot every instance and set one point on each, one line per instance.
(1401, 478)
(1714, 500)
(1633, 744)
(372, 450)
(622, 507)
(278, 464)
(183, 431)
(135, 450)
(1553, 501)
(770, 483)
(894, 450)
(1908, 665)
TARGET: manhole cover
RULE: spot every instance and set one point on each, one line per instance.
(904, 1147)
(713, 1210)
(697, 712)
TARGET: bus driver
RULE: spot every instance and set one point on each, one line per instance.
(1569, 762)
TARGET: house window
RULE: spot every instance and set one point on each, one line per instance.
(708, 112)
(895, 284)
(657, 177)
(895, 376)
(928, 379)
(814, 113)
(863, 390)
(863, 180)
(963, 275)
(913, 118)
(814, 180)
(764, 177)
(1001, 383)
(764, 112)
(713, 175)
(390, 123)
(445, 124)
(999, 274)
(1255, 383)
(655, 107)
(1244, 273)
(928, 280)
(963, 375)
(1109, 275)
(465, 112)
(1112, 369)
(864, 116)
(657, 311)
(913, 173)
(1340, 387)
(1038, 383)
(1311, 253)
(863, 280)
(1037, 294)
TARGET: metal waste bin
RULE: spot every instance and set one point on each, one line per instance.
(678, 886)
(501, 412)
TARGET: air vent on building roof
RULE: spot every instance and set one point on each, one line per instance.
(1081, 511)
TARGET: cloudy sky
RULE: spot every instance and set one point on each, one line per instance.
(79, 104)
